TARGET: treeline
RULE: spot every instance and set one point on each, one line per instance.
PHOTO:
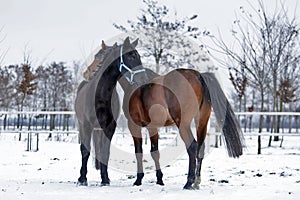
(44, 88)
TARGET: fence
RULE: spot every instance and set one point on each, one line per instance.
(34, 123)
(286, 124)
(38, 122)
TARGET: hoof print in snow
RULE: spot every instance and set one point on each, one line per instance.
(130, 176)
(223, 181)
(284, 174)
(258, 175)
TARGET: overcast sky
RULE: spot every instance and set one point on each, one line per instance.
(66, 30)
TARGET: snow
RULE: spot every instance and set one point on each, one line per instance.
(52, 172)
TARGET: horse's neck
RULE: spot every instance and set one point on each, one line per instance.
(89, 74)
(107, 81)
(126, 86)
(124, 83)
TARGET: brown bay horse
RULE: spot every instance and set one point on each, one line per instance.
(178, 98)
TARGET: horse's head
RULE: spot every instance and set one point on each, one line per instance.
(130, 65)
(123, 58)
(98, 59)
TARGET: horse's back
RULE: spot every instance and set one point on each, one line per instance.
(184, 83)
(183, 93)
(84, 105)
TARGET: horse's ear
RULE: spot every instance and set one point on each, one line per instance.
(126, 42)
(115, 45)
(103, 45)
(135, 43)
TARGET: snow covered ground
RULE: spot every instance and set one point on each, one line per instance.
(52, 172)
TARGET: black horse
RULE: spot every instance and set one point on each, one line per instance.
(97, 105)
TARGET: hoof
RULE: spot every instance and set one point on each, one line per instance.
(105, 184)
(137, 183)
(196, 187)
(82, 183)
(160, 182)
(139, 178)
(105, 181)
(159, 176)
(188, 186)
(197, 183)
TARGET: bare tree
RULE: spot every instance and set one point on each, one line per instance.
(163, 39)
(42, 93)
(6, 90)
(262, 43)
(60, 88)
(2, 52)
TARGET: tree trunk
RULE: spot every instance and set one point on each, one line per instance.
(296, 119)
(45, 121)
(157, 68)
(276, 138)
(29, 122)
(5, 122)
(261, 119)
(52, 122)
(18, 121)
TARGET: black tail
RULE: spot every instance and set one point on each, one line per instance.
(225, 116)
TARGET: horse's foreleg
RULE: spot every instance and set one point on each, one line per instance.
(155, 154)
(85, 148)
(105, 141)
(137, 139)
(85, 154)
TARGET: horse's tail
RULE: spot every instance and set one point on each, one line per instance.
(225, 116)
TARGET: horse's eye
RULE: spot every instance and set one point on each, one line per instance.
(134, 55)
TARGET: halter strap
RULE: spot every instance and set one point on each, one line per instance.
(132, 72)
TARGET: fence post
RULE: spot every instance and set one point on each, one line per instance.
(28, 142)
(37, 142)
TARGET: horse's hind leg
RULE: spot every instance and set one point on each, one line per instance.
(155, 154)
(138, 140)
(191, 147)
(85, 132)
(201, 121)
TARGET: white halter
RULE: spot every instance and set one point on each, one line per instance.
(132, 72)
